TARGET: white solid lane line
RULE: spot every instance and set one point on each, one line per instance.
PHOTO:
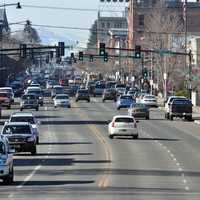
(29, 176)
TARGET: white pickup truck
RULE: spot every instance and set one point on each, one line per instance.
(6, 161)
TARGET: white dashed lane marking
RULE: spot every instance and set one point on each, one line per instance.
(172, 156)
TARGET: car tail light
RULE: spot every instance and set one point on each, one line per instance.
(113, 124)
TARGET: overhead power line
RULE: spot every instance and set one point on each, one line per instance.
(97, 30)
(71, 9)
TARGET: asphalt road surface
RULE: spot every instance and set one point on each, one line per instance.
(77, 160)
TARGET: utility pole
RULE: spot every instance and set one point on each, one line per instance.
(190, 75)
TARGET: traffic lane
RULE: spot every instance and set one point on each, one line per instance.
(185, 151)
(144, 171)
(84, 157)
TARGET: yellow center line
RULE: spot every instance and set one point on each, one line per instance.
(104, 180)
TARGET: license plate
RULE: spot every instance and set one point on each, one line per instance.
(123, 130)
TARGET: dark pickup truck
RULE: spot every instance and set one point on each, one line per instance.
(181, 108)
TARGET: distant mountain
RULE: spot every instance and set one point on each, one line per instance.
(50, 38)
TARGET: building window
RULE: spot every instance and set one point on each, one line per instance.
(108, 25)
(141, 20)
(103, 25)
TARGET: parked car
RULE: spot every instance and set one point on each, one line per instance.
(5, 99)
(181, 108)
(82, 94)
(168, 103)
(6, 161)
(20, 136)
(149, 100)
(29, 101)
(26, 117)
(124, 101)
(62, 100)
(123, 125)
(109, 94)
(139, 110)
(8, 90)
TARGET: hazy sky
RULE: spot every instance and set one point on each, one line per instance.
(55, 17)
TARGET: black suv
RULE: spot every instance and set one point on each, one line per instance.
(20, 136)
(109, 94)
(181, 108)
(82, 94)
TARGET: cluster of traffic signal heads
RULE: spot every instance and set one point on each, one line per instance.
(103, 54)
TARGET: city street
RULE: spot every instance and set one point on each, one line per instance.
(77, 160)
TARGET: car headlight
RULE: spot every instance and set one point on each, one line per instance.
(30, 139)
(40, 97)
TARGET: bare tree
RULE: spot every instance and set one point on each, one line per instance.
(163, 31)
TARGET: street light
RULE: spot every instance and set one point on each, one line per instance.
(18, 5)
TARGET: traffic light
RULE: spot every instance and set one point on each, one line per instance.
(91, 58)
(47, 59)
(80, 56)
(57, 52)
(137, 51)
(102, 49)
(32, 54)
(23, 49)
(72, 56)
(61, 46)
(105, 58)
(51, 54)
(145, 73)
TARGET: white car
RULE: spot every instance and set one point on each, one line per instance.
(123, 125)
(62, 100)
(26, 117)
(149, 100)
(6, 161)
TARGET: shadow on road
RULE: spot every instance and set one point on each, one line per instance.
(47, 116)
(55, 182)
(147, 139)
(82, 122)
(63, 143)
(54, 162)
(57, 154)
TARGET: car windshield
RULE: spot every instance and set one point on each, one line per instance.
(124, 120)
(16, 129)
(28, 97)
(23, 119)
(181, 101)
(2, 148)
(139, 105)
(83, 91)
(4, 94)
(100, 86)
(149, 97)
(62, 97)
(36, 92)
(6, 90)
(126, 97)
